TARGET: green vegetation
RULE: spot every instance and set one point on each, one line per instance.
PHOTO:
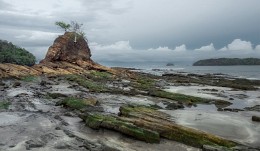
(87, 83)
(143, 83)
(4, 104)
(100, 76)
(10, 53)
(227, 62)
(97, 121)
(178, 97)
(55, 95)
(74, 103)
(74, 27)
(157, 121)
(241, 84)
(63, 25)
(149, 125)
(29, 78)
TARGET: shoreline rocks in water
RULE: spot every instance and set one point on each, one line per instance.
(67, 84)
(256, 118)
(149, 125)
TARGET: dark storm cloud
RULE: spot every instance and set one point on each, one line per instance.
(140, 30)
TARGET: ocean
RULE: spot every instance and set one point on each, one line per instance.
(248, 72)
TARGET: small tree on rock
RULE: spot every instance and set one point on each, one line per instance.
(74, 27)
(63, 25)
(77, 28)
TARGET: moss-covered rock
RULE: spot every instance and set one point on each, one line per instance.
(157, 121)
(97, 121)
(93, 86)
(4, 104)
(76, 103)
(178, 97)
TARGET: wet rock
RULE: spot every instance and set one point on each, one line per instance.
(254, 108)
(2, 83)
(56, 95)
(69, 133)
(232, 109)
(222, 103)
(62, 145)
(16, 84)
(35, 143)
(256, 118)
(211, 90)
(97, 121)
(91, 101)
(220, 109)
(43, 83)
(125, 83)
(161, 83)
(244, 148)
(94, 146)
(213, 148)
(240, 96)
(149, 125)
(48, 137)
(174, 106)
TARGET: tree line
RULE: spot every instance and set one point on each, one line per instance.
(10, 53)
(227, 62)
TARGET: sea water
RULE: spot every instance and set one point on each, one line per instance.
(249, 72)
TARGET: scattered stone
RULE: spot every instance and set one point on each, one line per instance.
(11, 146)
(213, 148)
(174, 106)
(149, 125)
(220, 109)
(36, 143)
(62, 145)
(43, 83)
(2, 83)
(69, 133)
(91, 101)
(254, 108)
(211, 90)
(97, 121)
(244, 148)
(161, 83)
(222, 103)
(16, 84)
(232, 110)
(256, 118)
(240, 96)
(56, 95)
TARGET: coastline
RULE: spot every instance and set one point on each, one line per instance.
(106, 93)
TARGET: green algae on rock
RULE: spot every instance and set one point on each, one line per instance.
(149, 125)
(97, 121)
(157, 121)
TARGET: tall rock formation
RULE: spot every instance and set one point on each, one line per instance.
(66, 48)
(65, 56)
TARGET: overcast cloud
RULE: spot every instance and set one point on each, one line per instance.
(139, 30)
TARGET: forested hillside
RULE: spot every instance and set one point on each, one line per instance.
(10, 53)
(227, 62)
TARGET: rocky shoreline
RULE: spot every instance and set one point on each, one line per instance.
(129, 103)
(69, 102)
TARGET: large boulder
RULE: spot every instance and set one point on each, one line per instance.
(66, 48)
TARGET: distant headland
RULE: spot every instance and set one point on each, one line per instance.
(227, 62)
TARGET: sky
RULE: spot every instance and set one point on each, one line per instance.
(139, 30)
